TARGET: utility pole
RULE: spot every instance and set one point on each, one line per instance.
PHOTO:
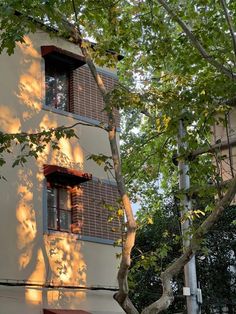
(192, 293)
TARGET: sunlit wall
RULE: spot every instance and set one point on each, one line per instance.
(28, 252)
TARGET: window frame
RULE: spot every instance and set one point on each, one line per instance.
(57, 187)
(67, 59)
(57, 67)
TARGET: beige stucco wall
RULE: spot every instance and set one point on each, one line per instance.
(22, 99)
(27, 252)
(13, 300)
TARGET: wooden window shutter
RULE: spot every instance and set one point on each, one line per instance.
(77, 209)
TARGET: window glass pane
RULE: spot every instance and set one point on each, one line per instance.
(56, 85)
(51, 94)
(51, 197)
(52, 218)
(65, 220)
(51, 207)
(59, 208)
(64, 199)
(62, 92)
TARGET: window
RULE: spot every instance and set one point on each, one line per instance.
(59, 208)
(63, 197)
(57, 77)
(59, 71)
(74, 203)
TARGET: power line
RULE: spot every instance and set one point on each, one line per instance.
(22, 283)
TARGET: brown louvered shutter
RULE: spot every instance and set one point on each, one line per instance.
(77, 209)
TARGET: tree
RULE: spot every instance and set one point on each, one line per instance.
(186, 63)
(214, 262)
(148, 259)
(216, 270)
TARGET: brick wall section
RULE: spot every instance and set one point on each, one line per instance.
(89, 214)
(85, 98)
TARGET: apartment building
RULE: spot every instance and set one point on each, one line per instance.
(57, 229)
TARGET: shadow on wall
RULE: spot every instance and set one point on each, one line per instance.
(41, 258)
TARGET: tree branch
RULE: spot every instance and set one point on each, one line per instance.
(75, 11)
(230, 102)
(208, 149)
(196, 43)
(122, 295)
(230, 25)
(60, 128)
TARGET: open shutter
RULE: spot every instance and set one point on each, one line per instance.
(77, 209)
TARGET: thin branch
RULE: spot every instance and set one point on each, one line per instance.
(147, 114)
(101, 6)
(196, 43)
(230, 25)
(111, 173)
(229, 146)
(137, 148)
(138, 169)
(75, 11)
(60, 128)
(209, 149)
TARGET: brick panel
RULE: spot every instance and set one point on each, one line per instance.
(92, 204)
(85, 98)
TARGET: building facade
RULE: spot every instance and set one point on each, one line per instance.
(225, 135)
(57, 226)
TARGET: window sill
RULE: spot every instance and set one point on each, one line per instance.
(74, 116)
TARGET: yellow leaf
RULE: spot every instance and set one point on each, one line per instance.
(120, 212)
(149, 221)
(85, 44)
(199, 212)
